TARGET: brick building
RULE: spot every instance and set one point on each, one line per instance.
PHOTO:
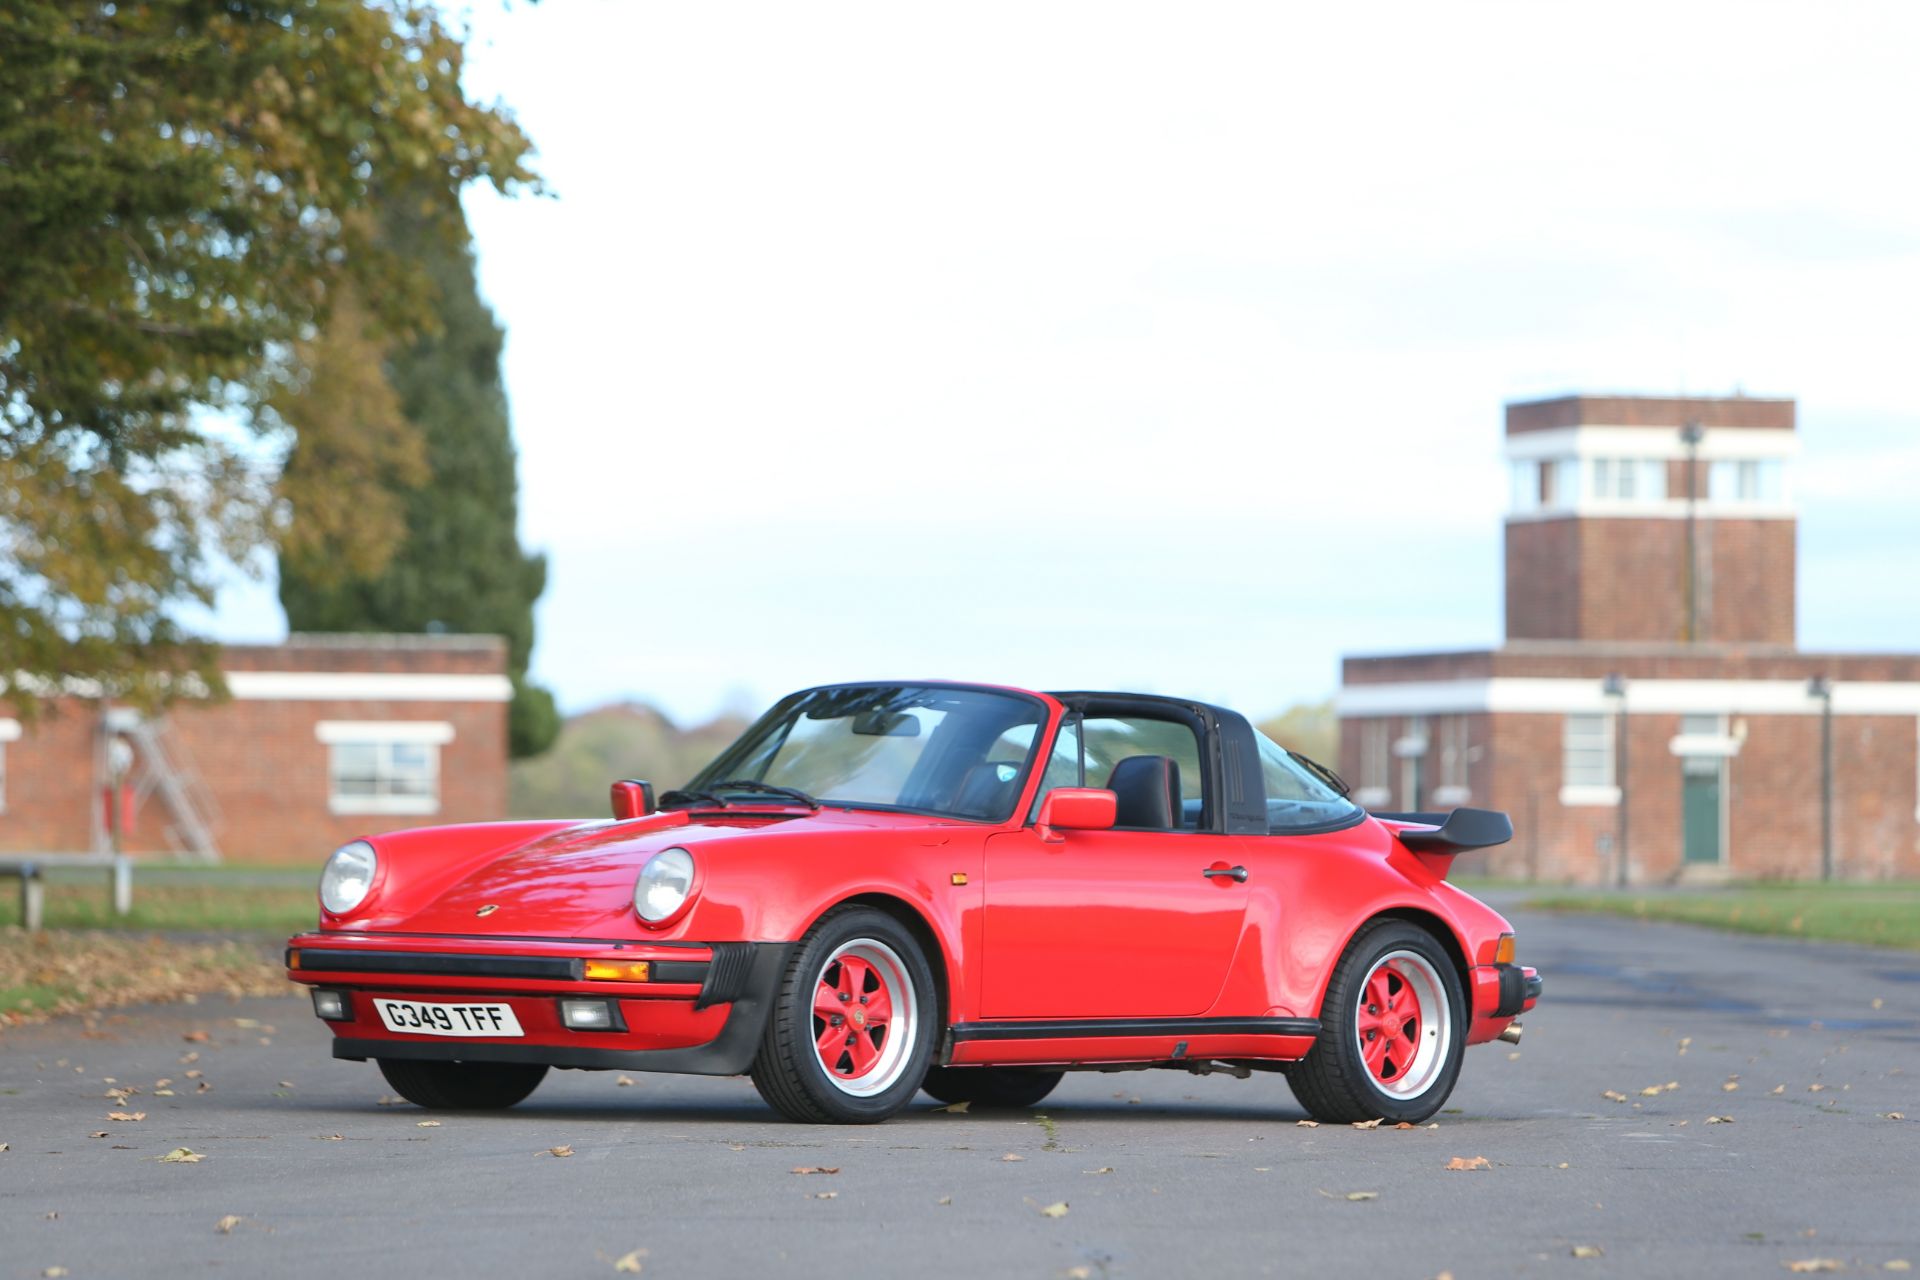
(326, 737)
(1649, 696)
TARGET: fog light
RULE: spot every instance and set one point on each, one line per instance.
(590, 1015)
(331, 1005)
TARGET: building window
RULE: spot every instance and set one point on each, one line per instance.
(383, 766)
(1375, 761)
(1629, 479)
(1456, 754)
(1586, 762)
(1747, 480)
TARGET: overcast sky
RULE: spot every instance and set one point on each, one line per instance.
(1161, 347)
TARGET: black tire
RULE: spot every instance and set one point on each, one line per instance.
(990, 1087)
(847, 949)
(461, 1086)
(1334, 1081)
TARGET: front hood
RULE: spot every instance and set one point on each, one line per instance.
(579, 882)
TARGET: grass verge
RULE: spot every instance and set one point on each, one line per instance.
(57, 972)
(213, 907)
(1886, 915)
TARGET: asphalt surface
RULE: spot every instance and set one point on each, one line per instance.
(1161, 1174)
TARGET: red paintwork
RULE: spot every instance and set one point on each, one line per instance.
(1092, 923)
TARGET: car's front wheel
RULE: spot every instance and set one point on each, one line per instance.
(461, 1086)
(852, 1027)
(1392, 1030)
(990, 1087)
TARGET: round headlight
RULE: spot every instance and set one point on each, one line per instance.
(347, 877)
(663, 885)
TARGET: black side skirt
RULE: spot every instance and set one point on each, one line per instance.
(1095, 1028)
(728, 1054)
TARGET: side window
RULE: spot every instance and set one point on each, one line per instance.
(1111, 740)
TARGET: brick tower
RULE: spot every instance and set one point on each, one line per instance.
(1640, 518)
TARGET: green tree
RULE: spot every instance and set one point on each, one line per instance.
(458, 565)
(182, 195)
(1311, 728)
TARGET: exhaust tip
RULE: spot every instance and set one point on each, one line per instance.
(1512, 1034)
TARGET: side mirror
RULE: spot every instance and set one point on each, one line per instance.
(1076, 809)
(631, 799)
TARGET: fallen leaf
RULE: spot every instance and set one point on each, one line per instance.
(816, 1168)
(126, 1116)
(826, 1195)
(226, 1225)
(161, 1084)
(1808, 1265)
(1078, 1273)
(1404, 1125)
(246, 1024)
(1779, 1088)
(1367, 1124)
(1613, 1096)
(1891, 1115)
(1306, 1124)
(1684, 1042)
(944, 1200)
(626, 1082)
(955, 1108)
(205, 1087)
(1563, 1164)
(1105, 1168)
(1477, 1162)
(1588, 1251)
(54, 1273)
(163, 1093)
(1058, 1209)
(1730, 1086)
(3, 1146)
(1009, 1158)
(426, 1124)
(195, 1037)
(99, 1133)
(286, 1084)
(1877, 1002)
(1815, 1088)
(390, 1100)
(195, 1074)
(189, 1058)
(1894, 1264)
(1719, 1119)
(180, 1155)
(562, 1152)
(629, 1262)
(1363, 1195)
(333, 1137)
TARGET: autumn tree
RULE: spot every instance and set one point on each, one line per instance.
(184, 190)
(458, 565)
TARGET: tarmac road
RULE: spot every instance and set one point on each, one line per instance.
(1162, 1174)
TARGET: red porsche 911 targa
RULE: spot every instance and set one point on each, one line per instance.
(969, 890)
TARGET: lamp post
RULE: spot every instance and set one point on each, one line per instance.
(1690, 435)
(1822, 688)
(1615, 688)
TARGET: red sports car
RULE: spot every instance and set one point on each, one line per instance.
(889, 887)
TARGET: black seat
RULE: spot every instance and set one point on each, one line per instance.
(1148, 788)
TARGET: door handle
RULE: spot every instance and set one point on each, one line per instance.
(1231, 873)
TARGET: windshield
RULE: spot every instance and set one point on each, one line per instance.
(1300, 794)
(961, 753)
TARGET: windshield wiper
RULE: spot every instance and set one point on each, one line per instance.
(1323, 773)
(751, 784)
(688, 797)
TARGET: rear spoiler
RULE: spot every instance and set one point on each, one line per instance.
(1451, 833)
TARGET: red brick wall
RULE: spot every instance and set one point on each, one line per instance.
(260, 758)
(1650, 411)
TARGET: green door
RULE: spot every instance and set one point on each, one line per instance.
(1700, 810)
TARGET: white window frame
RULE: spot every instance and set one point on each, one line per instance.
(1579, 787)
(1375, 762)
(1456, 761)
(9, 732)
(383, 736)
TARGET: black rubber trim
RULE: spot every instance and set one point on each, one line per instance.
(326, 960)
(1516, 988)
(728, 1054)
(726, 977)
(678, 971)
(1092, 1028)
(617, 943)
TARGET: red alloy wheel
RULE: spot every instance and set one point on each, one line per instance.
(1389, 1022)
(864, 1014)
(1403, 1025)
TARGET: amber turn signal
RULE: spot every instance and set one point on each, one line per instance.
(1503, 954)
(617, 970)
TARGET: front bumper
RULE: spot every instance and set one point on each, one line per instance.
(702, 1012)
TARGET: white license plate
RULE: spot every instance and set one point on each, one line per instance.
(422, 1018)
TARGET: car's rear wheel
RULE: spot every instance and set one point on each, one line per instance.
(852, 1027)
(990, 1087)
(461, 1086)
(1392, 1030)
